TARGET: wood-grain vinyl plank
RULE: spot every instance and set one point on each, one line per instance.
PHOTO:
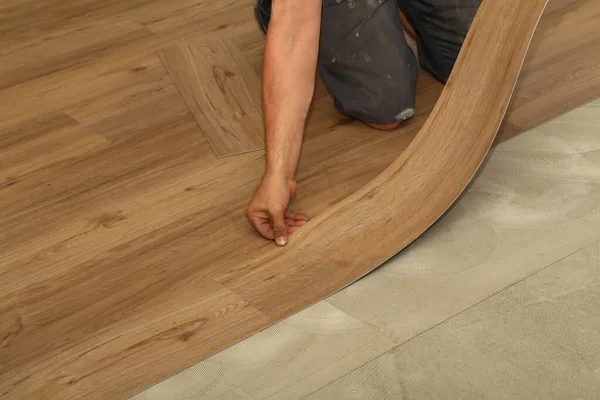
(99, 231)
(100, 344)
(220, 90)
(143, 97)
(56, 138)
(62, 51)
(122, 62)
(90, 195)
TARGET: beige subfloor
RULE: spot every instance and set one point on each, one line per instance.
(499, 300)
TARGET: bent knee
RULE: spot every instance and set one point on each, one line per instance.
(403, 115)
(387, 127)
(380, 112)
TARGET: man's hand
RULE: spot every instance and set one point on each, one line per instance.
(289, 69)
(269, 213)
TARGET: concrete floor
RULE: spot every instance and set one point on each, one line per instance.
(499, 300)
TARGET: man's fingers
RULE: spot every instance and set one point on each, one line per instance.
(295, 222)
(269, 229)
(296, 216)
(279, 228)
(290, 214)
(302, 217)
(263, 227)
(292, 222)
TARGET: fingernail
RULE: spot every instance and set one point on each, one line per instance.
(281, 241)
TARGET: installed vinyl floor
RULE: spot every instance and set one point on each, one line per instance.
(499, 300)
(117, 214)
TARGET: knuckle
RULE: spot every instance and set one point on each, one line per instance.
(277, 210)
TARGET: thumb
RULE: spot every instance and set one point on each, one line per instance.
(279, 228)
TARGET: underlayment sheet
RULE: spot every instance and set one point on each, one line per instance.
(533, 203)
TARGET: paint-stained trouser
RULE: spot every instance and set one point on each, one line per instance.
(364, 58)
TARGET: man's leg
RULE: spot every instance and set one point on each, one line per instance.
(441, 27)
(364, 60)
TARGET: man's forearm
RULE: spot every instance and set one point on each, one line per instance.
(291, 52)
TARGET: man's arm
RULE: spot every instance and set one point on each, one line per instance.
(291, 52)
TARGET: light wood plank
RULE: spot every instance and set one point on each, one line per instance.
(222, 92)
(25, 23)
(60, 52)
(46, 368)
(92, 77)
(93, 195)
(40, 143)
(148, 99)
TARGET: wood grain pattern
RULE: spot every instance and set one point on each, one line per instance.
(66, 49)
(221, 92)
(88, 240)
(54, 139)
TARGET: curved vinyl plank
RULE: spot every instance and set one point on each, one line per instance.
(360, 233)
